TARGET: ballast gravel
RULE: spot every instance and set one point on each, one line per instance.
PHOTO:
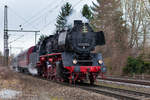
(31, 88)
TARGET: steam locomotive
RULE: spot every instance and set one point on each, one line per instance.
(65, 56)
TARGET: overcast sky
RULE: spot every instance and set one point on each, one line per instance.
(33, 15)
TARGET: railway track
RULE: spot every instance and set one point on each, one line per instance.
(131, 81)
(120, 94)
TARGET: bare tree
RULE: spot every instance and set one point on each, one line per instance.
(108, 17)
(136, 13)
(1, 58)
(125, 24)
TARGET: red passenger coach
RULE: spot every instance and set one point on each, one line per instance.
(23, 59)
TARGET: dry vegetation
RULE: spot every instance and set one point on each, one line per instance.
(37, 89)
(126, 27)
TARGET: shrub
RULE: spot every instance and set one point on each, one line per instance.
(147, 67)
(136, 66)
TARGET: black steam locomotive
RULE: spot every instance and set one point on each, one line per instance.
(67, 54)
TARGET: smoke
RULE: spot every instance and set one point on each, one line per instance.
(76, 15)
(32, 70)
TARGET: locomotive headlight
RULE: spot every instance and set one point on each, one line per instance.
(100, 61)
(75, 61)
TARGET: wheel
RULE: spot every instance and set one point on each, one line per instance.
(40, 72)
(59, 70)
(91, 79)
(20, 69)
(81, 81)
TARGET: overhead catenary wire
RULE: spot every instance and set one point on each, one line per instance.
(18, 15)
(50, 11)
(30, 21)
(36, 16)
(37, 19)
(77, 3)
(55, 7)
(16, 39)
(45, 26)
